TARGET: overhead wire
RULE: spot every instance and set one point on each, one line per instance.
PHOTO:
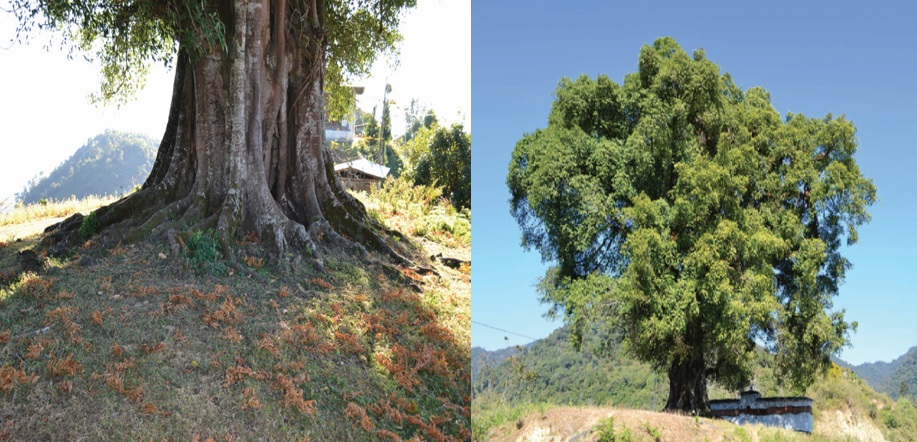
(504, 331)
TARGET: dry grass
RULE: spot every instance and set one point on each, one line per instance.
(21, 214)
(136, 348)
(564, 423)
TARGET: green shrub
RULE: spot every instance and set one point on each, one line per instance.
(491, 411)
(203, 249)
(652, 431)
(89, 226)
(605, 432)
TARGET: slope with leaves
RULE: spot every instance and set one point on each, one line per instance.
(138, 343)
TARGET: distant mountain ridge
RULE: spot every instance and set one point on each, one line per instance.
(895, 377)
(108, 164)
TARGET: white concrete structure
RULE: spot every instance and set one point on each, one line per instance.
(792, 413)
(343, 130)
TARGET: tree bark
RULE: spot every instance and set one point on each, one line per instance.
(243, 152)
(687, 387)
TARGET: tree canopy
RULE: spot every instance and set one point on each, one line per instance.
(127, 36)
(684, 213)
(442, 157)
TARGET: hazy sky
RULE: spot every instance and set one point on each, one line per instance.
(857, 59)
(45, 115)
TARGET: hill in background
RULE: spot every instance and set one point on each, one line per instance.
(509, 385)
(551, 370)
(896, 378)
(108, 164)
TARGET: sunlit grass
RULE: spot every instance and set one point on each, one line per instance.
(140, 347)
(20, 213)
(419, 211)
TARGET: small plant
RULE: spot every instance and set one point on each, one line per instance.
(203, 249)
(605, 430)
(652, 431)
(741, 435)
(89, 226)
(253, 262)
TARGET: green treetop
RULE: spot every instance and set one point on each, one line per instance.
(688, 216)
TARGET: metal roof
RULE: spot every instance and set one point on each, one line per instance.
(365, 166)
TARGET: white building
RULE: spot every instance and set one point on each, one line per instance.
(361, 174)
(345, 129)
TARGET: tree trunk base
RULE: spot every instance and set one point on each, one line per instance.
(284, 242)
(687, 388)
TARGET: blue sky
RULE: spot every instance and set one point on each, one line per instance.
(857, 59)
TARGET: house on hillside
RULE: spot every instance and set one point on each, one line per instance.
(361, 174)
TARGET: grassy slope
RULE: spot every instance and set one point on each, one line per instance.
(845, 405)
(143, 347)
(614, 424)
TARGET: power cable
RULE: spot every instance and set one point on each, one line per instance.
(502, 330)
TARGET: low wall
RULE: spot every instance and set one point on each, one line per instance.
(793, 413)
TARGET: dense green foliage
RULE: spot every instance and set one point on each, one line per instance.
(417, 117)
(550, 370)
(89, 226)
(443, 159)
(685, 214)
(895, 377)
(109, 163)
(374, 143)
(126, 37)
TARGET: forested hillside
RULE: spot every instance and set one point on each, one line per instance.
(108, 164)
(897, 378)
(551, 370)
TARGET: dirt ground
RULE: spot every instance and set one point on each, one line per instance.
(14, 231)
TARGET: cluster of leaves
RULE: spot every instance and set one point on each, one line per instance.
(605, 432)
(362, 30)
(684, 213)
(108, 164)
(89, 226)
(442, 158)
(126, 37)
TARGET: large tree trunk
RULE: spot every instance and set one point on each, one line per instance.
(243, 148)
(687, 387)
